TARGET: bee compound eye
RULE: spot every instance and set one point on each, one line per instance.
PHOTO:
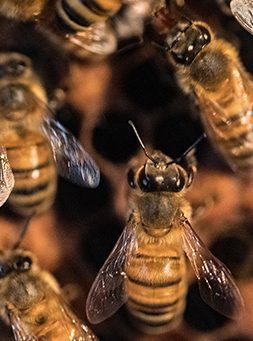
(143, 181)
(22, 263)
(130, 178)
(4, 270)
(179, 182)
(16, 67)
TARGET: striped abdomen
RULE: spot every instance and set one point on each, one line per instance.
(77, 15)
(156, 285)
(35, 175)
(233, 135)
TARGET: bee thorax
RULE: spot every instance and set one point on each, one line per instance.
(158, 214)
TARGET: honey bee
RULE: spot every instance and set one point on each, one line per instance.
(147, 267)
(243, 12)
(210, 68)
(31, 301)
(34, 141)
(86, 27)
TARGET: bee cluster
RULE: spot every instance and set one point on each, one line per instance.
(72, 75)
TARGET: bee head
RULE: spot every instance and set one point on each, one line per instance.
(186, 40)
(18, 86)
(49, 59)
(159, 174)
(14, 261)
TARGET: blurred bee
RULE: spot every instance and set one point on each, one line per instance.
(34, 141)
(86, 27)
(210, 68)
(243, 12)
(32, 303)
(22, 9)
(147, 267)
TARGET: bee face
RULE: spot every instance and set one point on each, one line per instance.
(161, 176)
(186, 40)
(17, 80)
(15, 262)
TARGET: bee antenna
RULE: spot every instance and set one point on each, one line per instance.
(22, 234)
(188, 150)
(141, 143)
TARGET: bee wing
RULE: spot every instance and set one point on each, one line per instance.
(99, 38)
(243, 12)
(73, 162)
(6, 177)
(219, 122)
(107, 293)
(216, 285)
(72, 328)
(20, 333)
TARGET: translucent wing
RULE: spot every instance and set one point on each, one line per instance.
(107, 293)
(73, 162)
(98, 38)
(72, 328)
(19, 332)
(6, 177)
(222, 125)
(243, 12)
(216, 285)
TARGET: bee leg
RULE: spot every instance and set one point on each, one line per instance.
(200, 209)
(71, 292)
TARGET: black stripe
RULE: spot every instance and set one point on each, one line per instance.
(154, 312)
(243, 155)
(141, 255)
(94, 7)
(32, 204)
(155, 306)
(229, 120)
(62, 25)
(235, 141)
(153, 285)
(30, 170)
(74, 16)
(157, 323)
(30, 190)
(38, 144)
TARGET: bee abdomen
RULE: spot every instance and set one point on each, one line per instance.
(35, 177)
(156, 296)
(235, 139)
(76, 15)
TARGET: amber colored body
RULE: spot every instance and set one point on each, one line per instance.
(224, 92)
(156, 282)
(75, 16)
(34, 170)
(22, 9)
(22, 107)
(157, 300)
(32, 304)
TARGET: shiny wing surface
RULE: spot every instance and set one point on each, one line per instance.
(243, 12)
(107, 293)
(73, 162)
(216, 285)
(224, 126)
(98, 38)
(19, 332)
(72, 328)
(6, 177)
